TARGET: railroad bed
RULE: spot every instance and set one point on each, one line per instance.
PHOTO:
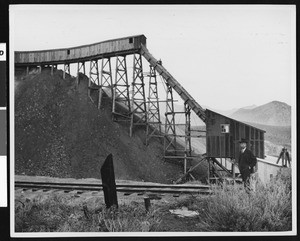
(43, 184)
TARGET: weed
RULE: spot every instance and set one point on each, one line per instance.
(231, 208)
(54, 214)
(129, 219)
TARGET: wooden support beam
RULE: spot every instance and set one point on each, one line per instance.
(182, 157)
(170, 127)
(64, 73)
(198, 136)
(208, 170)
(105, 79)
(189, 171)
(138, 98)
(153, 116)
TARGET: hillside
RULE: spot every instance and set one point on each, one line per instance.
(274, 113)
(60, 133)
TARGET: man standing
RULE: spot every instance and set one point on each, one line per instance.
(247, 162)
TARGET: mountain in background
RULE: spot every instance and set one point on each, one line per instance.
(250, 107)
(222, 112)
(275, 113)
(228, 112)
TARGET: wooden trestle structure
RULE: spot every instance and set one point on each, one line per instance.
(138, 108)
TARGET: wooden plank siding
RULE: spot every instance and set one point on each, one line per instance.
(226, 145)
(86, 52)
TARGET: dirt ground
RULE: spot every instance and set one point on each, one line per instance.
(59, 132)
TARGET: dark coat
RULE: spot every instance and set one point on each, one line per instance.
(247, 161)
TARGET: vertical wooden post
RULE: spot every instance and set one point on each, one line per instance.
(90, 76)
(170, 127)
(27, 70)
(188, 146)
(109, 182)
(233, 171)
(64, 73)
(80, 65)
(100, 84)
(208, 173)
(138, 98)
(94, 75)
(77, 77)
(153, 106)
(52, 69)
(284, 158)
(147, 203)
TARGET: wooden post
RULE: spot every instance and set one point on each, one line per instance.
(280, 156)
(51, 69)
(188, 145)
(284, 158)
(77, 77)
(64, 73)
(90, 76)
(208, 173)
(108, 182)
(99, 98)
(233, 171)
(147, 203)
(27, 70)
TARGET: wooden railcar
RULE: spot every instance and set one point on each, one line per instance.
(103, 49)
(223, 135)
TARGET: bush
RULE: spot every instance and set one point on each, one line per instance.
(268, 208)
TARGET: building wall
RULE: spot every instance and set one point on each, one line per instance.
(267, 169)
(226, 145)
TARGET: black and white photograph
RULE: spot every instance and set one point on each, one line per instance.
(152, 120)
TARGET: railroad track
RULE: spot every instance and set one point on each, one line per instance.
(125, 188)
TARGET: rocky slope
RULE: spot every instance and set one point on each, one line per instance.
(60, 133)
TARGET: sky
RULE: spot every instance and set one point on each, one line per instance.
(225, 56)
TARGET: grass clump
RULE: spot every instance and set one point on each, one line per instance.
(268, 208)
(231, 209)
(126, 218)
(57, 214)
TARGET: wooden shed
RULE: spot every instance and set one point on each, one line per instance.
(223, 135)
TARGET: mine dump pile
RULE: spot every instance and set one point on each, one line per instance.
(60, 133)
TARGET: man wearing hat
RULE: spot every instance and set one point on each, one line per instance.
(247, 162)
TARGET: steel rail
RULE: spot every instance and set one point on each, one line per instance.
(128, 188)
